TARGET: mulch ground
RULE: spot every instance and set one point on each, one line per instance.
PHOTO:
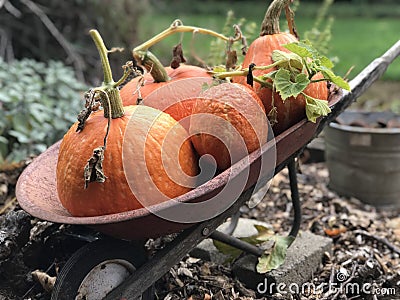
(366, 246)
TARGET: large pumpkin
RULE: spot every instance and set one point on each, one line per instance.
(114, 194)
(136, 139)
(292, 110)
(228, 122)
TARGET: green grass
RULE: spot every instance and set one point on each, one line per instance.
(360, 33)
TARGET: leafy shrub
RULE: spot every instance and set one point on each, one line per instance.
(319, 35)
(38, 103)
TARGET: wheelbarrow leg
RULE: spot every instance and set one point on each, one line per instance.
(233, 223)
(294, 189)
(239, 244)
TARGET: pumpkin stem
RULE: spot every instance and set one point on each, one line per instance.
(270, 24)
(152, 65)
(290, 21)
(109, 88)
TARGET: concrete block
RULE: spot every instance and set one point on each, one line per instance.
(206, 249)
(303, 259)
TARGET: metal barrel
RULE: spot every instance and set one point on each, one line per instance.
(364, 162)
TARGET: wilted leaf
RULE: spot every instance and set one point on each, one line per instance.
(233, 252)
(316, 108)
(277, 255)
(255, 239)
(264, 233)
(287, 59)
(45, 280)
(228, 250)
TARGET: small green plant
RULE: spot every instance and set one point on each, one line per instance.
(38, 103)
(218, 49)
(320, 34)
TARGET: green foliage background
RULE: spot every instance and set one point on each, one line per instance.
(38, 103)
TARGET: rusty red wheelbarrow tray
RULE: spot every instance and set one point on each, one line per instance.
(36, 191)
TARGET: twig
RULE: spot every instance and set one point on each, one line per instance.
(379, 239)
(77, 60)
(384, 267)
(8, 205)
(37, 283)
(11, 9)
(353, 273)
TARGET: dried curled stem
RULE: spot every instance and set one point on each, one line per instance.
(93, 171)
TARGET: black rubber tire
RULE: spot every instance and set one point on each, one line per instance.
(87, 257)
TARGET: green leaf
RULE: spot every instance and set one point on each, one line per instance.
(339, 81)
(4, 97)
(277, 255)
(303, 49)
(263, 234)
(288, 88)
(228, 250)
(318, 63)
(287, 60)
(40, 112)
(20, 122)
(3, 140)
(316, 108)
(326, 62)
(21, 137)
(219, 69)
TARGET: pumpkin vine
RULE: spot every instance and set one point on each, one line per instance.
(108, 95)
(142, 54)
(285, 65)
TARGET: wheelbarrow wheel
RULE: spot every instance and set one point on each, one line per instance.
(97, 268)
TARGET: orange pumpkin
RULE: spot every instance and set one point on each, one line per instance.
(129, 93)
(228, 122)
(115, 194)
(292, 110)
(169, 90)
(142, 144)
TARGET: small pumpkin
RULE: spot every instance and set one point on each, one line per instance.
(228, 122)
(136, 139)
(292, 110)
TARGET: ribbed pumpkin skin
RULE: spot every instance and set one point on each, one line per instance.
(292, 110)
(236, 104)
(115, 195)
(128, 92)
(178, 97)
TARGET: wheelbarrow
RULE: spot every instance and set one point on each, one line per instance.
(116, 266)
